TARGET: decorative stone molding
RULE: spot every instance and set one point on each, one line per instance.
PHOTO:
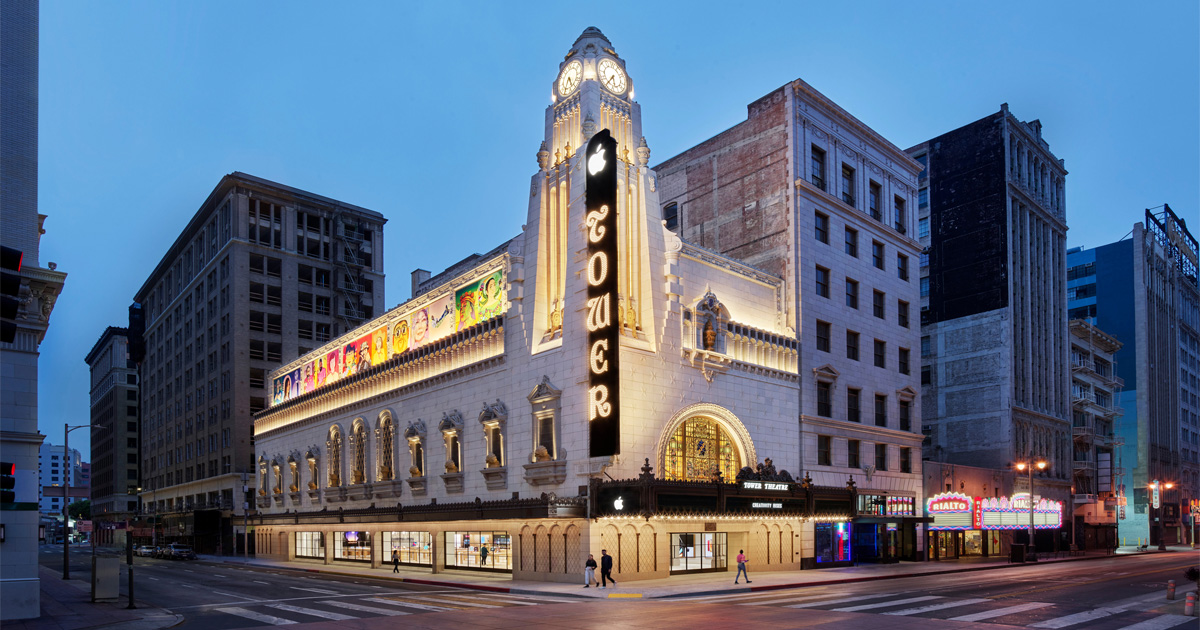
(419, 486)
(495, 478)
(453, 481)
(388, 489)
(728, 421)
(360, 491)
(549, 473)
(337, 494)
(826, 374)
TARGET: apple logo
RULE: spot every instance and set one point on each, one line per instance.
(619, 503)
(596, 163)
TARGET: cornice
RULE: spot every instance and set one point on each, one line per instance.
(891, 436)
(802, 89)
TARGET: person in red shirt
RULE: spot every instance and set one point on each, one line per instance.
(741, 560)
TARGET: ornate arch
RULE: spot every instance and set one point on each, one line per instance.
(334, 446)
(358, 451)
(724, 417)
(385, 438)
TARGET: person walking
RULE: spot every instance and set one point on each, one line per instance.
(395, 561)
(483, 554)
(606, 569)
(741, 560)
(589, 572)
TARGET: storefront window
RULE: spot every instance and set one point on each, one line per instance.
(415, 548)
(698, 450)
(832, 542)
(310, 545)
(694, 553)
(872, 504)
(482, 551)
(354, 546)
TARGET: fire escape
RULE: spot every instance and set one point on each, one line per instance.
(350, 286)
(1095, 412)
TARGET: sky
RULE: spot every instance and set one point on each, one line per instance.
(432, 112)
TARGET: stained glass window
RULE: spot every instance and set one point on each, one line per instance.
(698, 449)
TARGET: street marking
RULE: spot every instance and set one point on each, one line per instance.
(450, 600)
(932, 607)
(220, 576)
(621, 595)
(315, 590)
(910, 600)
(1041, 589)
(776, 599)
(312, 611)
(260, 582)
(841, 600)
(250, 614)
(252, 599)
(1070, 620)
(154, 578)
(392, 602)
(1000, 612)
(1160, 623)
(359, 607)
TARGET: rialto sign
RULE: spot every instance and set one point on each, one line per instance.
(957, 511)
(604, 335)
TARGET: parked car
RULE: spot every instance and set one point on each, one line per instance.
(159, 552)
(176, 551)
(145, 551)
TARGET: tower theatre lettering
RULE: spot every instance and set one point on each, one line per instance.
(604, 342)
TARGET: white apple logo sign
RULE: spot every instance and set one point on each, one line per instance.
(596, 162)
(619, 503)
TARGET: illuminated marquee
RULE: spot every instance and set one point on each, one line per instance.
(956, 511)
(603, 338)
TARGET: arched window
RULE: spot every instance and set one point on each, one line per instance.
(671, 216)
(386, 438)
(335, 457)
(358, 453)
(698, 449)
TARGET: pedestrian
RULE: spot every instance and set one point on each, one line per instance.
(395, 561)
(606, 569)
(589, 572)
(483, 552)
(741, 560)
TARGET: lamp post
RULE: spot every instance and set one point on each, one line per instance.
(67, 429)
(1157, 505)
(1027, 467)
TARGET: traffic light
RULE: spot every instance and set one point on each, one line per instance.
(10, 288)
(8, 483)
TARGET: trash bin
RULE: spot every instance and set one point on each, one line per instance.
(1017, 553)
(106, 578)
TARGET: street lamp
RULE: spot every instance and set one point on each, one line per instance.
(67, 429)
(1027, 467)
(1157, 505)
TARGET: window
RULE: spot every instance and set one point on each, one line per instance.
(877, 254)
(851, 345)
(880, 353)
(851, 293)
(903, 362)
(824, 404)
(698, 450)
(901, 215)
(823, 330)
(822, 282)
(257, 293)
(853, 401)
(821, 227)
(546, 402)
(824, 456)
(923, 227)
(466, 550)
(902, 266)
(334, 447)
(671, 216)
(818, 168)
(848, 185)
(905, 460)
(853, 451)
(926, 346)
(877, 304)
(353, 546)
(304, 302)
(358, 453)
(881, 457)
(923, 198)
(906, 415)
(412, 548)
(924, 259)
(874, 197)
(902, 313)
(925, 287)
(310, 545)
(386, 438)
(880, 410)
(852, 242)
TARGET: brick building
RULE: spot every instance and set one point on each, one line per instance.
(114, 413)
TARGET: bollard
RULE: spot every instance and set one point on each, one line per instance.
(1170, 589)
(1189, 606)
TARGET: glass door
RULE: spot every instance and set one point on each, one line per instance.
(698, 552)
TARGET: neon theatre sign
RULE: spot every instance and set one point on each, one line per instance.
(604, 341)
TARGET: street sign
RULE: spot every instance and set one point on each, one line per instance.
(1155, 498)
(83, 526)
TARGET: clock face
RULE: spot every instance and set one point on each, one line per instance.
(611, 76)
(569, 79)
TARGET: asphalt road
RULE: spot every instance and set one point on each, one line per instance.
(1107, 594)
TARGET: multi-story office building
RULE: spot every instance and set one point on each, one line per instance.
(58, 469)
(262, 273)
(805, 191)
(114, 412)
(1143, 290)
(1095, 412)
(21, 228)
(994, 343)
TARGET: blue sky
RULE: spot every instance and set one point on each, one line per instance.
(432, 113)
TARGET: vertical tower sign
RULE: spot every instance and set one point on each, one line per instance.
(604, 341)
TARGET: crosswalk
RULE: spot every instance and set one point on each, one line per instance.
(1129, 614)
(395, 604)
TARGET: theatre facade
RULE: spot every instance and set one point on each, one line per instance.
(593, 383)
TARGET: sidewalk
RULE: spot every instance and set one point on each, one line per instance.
(677, 586)
(67, 605)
